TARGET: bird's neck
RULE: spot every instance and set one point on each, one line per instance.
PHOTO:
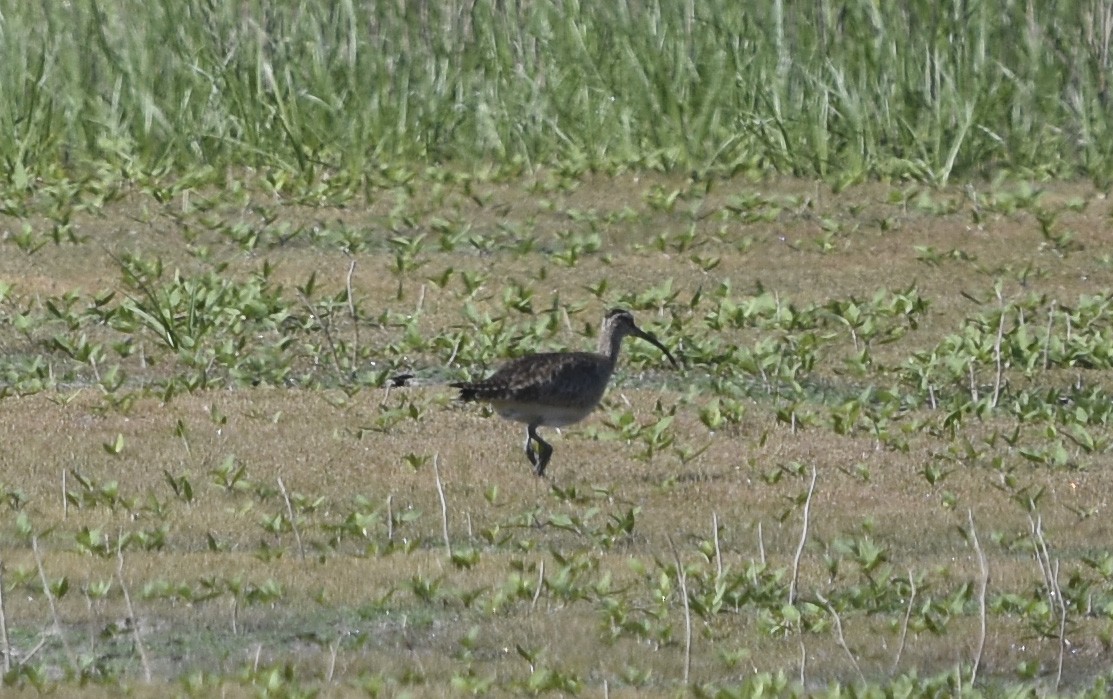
(609, 345)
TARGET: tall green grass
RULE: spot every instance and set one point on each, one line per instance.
(842, 90)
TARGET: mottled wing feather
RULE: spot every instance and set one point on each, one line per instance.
(555, 378)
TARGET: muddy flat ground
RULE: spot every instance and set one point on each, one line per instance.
(885, 458)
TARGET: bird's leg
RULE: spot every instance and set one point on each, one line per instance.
(530, 454)
(543, 458)
(544, 451)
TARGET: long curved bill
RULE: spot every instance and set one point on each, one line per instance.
(652, 339)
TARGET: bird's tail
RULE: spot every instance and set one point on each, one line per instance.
(467, 391)
(400, 380)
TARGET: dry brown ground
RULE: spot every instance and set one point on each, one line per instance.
(318, 443)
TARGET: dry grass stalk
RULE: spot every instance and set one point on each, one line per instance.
(56, 627)
(839, 637)
(353, 313)
(1062, 607)
(983, 584)
(5, 641)
(540, 584)
(136, 634)
(293, 520)
(718, 550)
(682, 581)
(792, 587)
(904, 622)
(444, 504)
(326, 330)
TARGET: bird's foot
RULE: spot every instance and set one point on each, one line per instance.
(542, 458)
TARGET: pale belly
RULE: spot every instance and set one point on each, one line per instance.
(548, 415)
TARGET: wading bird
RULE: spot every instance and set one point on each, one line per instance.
(554, 389)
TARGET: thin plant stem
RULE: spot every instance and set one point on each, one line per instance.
(803, 662)
(293, 520)
(682, 581)
(540, 584)
(983, 583)
(1062, 626)
(760, 544)
(840, 638)
(352, 312)
(792, 587)
(389, 517)
(1047, 338)
(1043, 557)
(57, 627)
(333, 352)
(444, 504)
(138, 636)
(5, 642)
(997, 359)
(334, 649)
(718, 550)
(904, 622)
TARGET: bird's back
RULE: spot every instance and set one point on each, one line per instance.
(558, 379)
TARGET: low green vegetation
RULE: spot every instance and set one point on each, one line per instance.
(865, 478)
(875, 234)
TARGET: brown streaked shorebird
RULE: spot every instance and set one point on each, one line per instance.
(554, 389)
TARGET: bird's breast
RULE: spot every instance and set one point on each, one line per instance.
(541, 414)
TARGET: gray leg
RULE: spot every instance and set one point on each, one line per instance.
(544, 451)
(530, 454)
